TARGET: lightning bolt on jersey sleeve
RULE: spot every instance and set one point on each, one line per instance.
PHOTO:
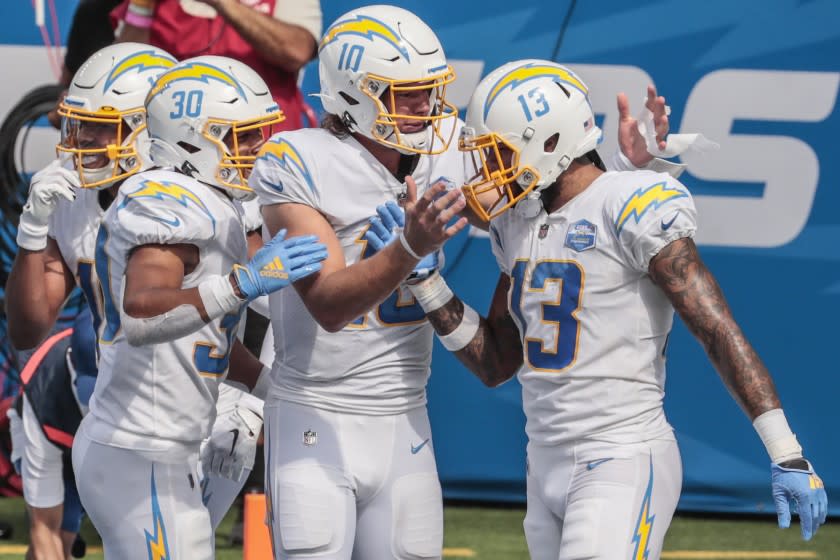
(281, 173)
(161, 210)
(648, 213)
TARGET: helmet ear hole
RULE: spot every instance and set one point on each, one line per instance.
(350, 100)
(189, 148)
(551, 143)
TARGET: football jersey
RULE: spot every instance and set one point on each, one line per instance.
(73, 225)
(593, 325)
(159, 395)
(379, 363)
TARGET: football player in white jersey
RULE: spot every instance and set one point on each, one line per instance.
(170, 256)
(593, 266)
(350, 462)
(104, 136)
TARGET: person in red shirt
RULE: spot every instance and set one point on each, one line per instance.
(274, 37)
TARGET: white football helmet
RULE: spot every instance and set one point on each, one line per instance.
(377, 49)
(104, 122)
(536, 111)
(197, 112)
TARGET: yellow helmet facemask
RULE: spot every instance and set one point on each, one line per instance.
(119, 155)
(234, 167)
(496, 186)
(385, 129)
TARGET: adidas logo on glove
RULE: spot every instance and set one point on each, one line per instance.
(274, 269)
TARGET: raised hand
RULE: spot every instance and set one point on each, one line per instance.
(279, 263)
(630, 139)
(384, 229)
(426, 230)
(48, 186)
(795, 481)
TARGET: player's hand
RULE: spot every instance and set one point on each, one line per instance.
(279, 263)
(795, 481)
(232, 446)
(427, 218)
(630, 140)
(48, 186)
(385, 228)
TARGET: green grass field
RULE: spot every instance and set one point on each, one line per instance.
(496, 534)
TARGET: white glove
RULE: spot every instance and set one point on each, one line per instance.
(232, 446)
(48, 185)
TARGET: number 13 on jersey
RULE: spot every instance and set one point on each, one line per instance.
(556, 351)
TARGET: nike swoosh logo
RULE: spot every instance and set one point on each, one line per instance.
(665, 226)
(415, 450)
(174, 222)
(594, 464)
(235, 433)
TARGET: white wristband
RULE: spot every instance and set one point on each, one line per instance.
(31, 236)
(407, 247)
(218, 296)
(260, 390)
(432, 293)
(463, 333)
(780, 441)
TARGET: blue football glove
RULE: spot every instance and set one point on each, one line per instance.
(384, 230)
(280, 262)
(796, 481)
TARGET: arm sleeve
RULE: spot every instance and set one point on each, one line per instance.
(647, 218)
(281, 174)
(304, 13)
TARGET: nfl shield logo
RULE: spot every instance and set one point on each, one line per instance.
(543, 231)
(310, 437)
(581, 235)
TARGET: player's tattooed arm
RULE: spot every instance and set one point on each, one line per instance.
(495, 352)
(697, 297)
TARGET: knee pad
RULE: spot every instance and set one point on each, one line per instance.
(417, 503)
(308, 510)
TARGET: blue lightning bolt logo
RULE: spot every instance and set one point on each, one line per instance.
(156, 544)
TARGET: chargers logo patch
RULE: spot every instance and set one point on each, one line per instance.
(581, 236)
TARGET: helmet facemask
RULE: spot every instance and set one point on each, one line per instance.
(498, 183)
(101, 163)
(428, 140)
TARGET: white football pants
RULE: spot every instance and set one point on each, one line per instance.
(348, 486)
(601, 501)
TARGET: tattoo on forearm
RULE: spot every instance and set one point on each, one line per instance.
(495, 352)
(697, 297)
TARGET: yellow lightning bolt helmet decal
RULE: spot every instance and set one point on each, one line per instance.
(198, 71)
(644, 199)
(281, 151)
(366, 27)
(156, 544)
(531, 71)
(644, 525)
(142, 61)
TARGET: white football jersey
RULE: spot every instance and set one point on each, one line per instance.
(379, 364)
(158, 395)
(593, 325)
(73, 225)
